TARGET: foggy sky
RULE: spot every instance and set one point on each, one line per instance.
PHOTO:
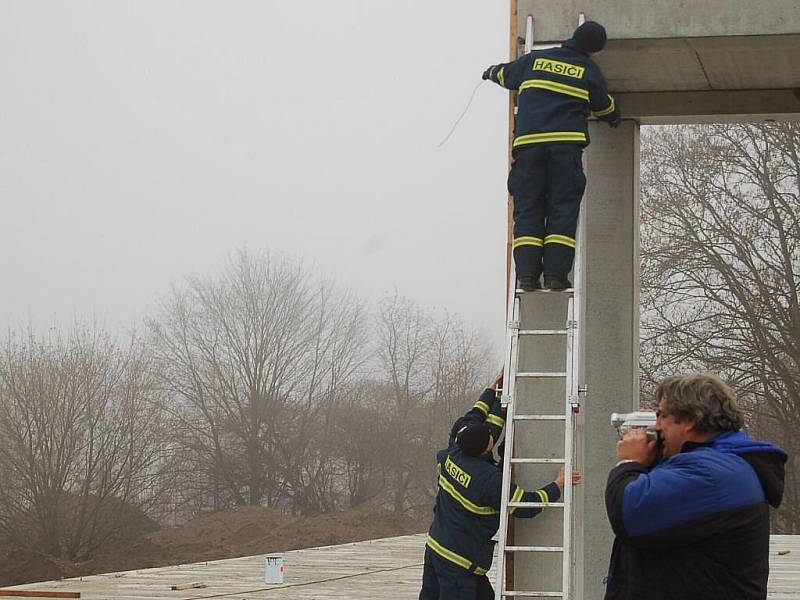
(142, 142)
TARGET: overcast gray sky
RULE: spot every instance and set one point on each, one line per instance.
(144, 141)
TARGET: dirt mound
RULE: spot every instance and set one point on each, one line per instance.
(20, 566)
(236, 532)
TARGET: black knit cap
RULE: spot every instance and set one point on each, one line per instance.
(473, 439)
(590, 36)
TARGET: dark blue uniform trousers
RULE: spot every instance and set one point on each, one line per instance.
(547, 183)
(442, 580)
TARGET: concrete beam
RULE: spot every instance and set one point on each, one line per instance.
(702, 64)
(630, 19)
(742, 106)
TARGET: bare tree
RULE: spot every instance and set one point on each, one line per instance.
(403, 359)
(430, 368)
(720, 250)
(362, 427)
(254, 359)
(81, 440)
(460, 366)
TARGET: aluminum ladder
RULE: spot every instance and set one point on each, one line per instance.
(571, 331)
(571, 405)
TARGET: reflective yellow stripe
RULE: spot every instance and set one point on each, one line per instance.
(501, 76)
(518, 494)
(551, 136)
(543, 496)
(482, 406)
(495, 420)
(554, 86)
(470, 506)
(527, 240)
(448, 554)
(606, 111)
(564, 240)
(480, 571)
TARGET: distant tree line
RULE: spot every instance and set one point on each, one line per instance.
(262, 385)
(267, 384)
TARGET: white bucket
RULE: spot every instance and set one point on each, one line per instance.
(273, 572)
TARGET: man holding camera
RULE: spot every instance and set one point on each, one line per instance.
(693, 524)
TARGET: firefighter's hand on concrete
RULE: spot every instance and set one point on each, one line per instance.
(636, 446)
(576, 478)
(487, 73)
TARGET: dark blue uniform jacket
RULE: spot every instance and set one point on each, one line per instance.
(696, 525)
(558, 89)
(467, 510)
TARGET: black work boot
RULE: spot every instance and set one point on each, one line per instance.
(556, 283)
(528, 283)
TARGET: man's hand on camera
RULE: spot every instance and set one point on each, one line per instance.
(637, 447)
(559, 481)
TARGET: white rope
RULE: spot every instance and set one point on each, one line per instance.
(458, 120)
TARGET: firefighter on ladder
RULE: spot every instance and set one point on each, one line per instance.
(558, 89)
(459, 548)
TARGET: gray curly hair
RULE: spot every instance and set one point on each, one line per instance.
(703, 398)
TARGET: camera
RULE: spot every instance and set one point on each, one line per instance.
(624, 422)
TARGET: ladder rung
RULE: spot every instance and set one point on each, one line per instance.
(540, 418)
(534, 548)
(542, 332)
(520, 291)
(534, 594)
(543, 374)
(536, 504)
(538, 461)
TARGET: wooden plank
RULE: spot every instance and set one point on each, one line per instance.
(39, 594)
(188, 586)
(513, 46)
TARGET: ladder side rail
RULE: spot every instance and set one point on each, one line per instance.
(507, 398)
(571, 389)
(528, 34)
(576, 344)
(512, 322)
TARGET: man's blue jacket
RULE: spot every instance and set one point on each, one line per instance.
(467, 510)
(696, 525)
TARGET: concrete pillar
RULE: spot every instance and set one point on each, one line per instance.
(610, 316)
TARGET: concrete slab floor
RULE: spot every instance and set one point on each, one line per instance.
(383, 569)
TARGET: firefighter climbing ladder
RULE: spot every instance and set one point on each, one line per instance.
(566, 417)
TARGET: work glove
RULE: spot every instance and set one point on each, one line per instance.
(615, 123)
(487, 74)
